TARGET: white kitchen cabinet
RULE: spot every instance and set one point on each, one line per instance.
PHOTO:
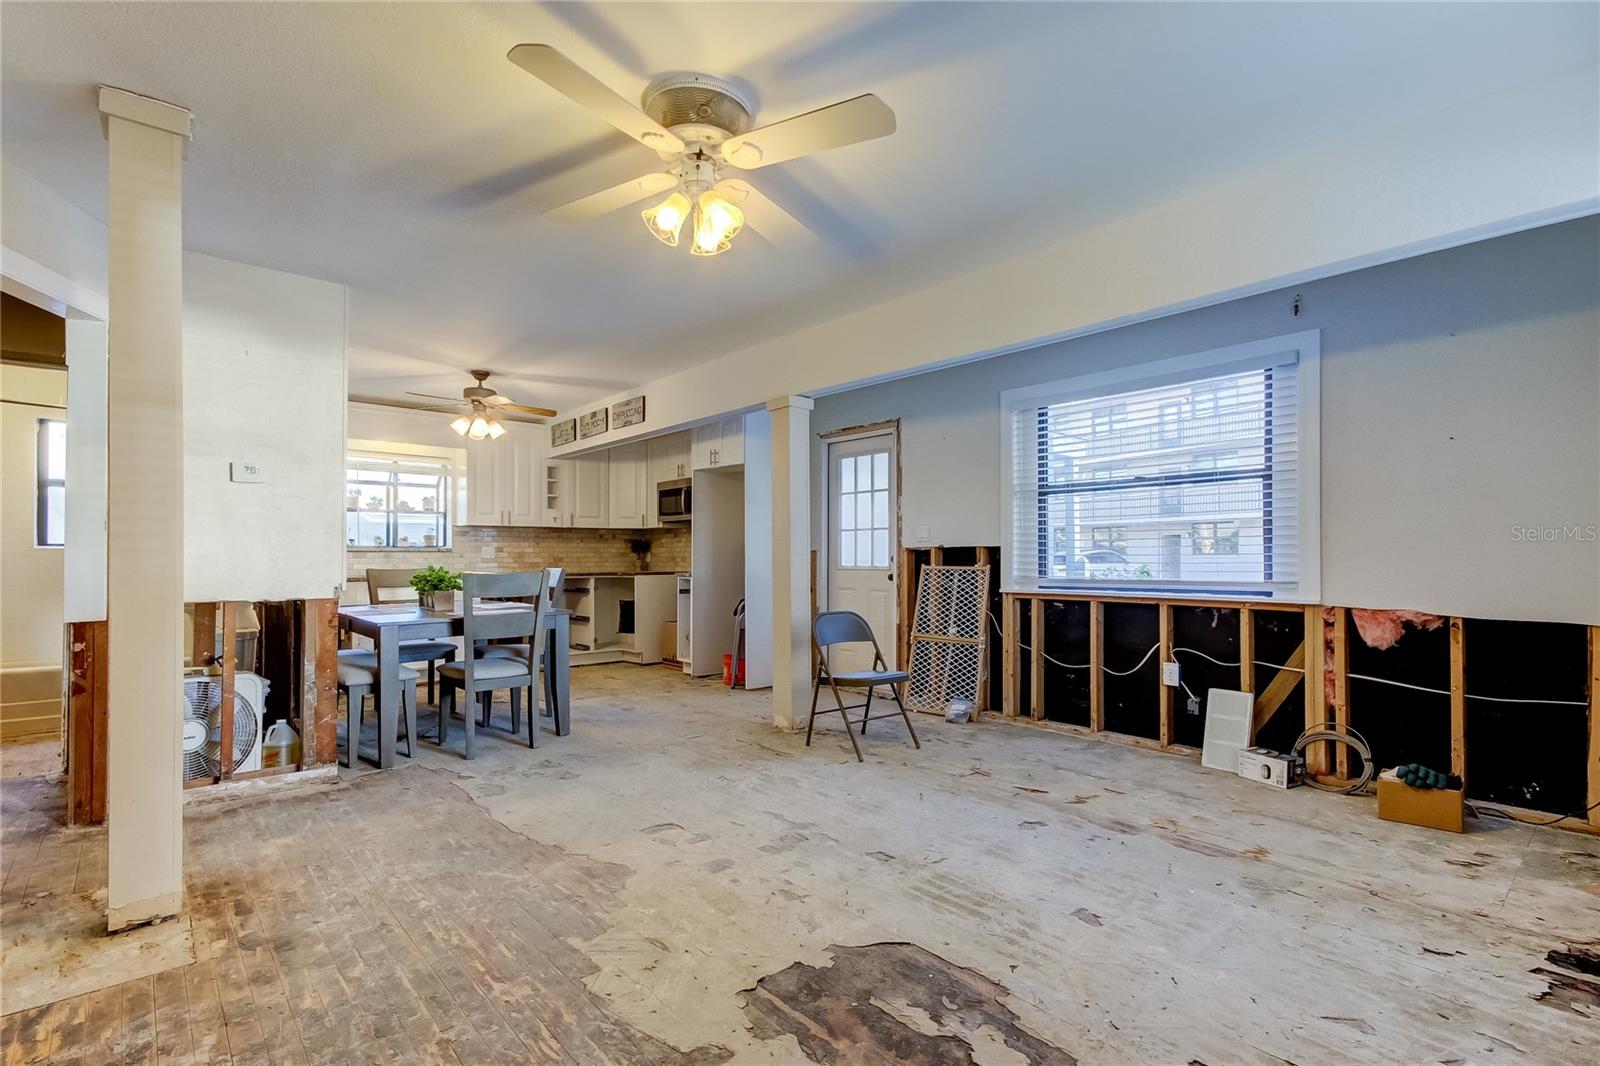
(488, 484)
(556, 486)
(719, 444)
(669, 458)
(502, 482)
(522, 497)
(626, 477)
(590, 491)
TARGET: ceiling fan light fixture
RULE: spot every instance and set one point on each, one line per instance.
(665, 220)
(496, 430)
(479, 428)
(461, 425)
(716, 223)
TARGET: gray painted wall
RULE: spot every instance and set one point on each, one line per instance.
(1460, 401)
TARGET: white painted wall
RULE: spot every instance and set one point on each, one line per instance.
(30, 576)
(758, 505)
(1459, 400)
(1522, 158)
(84, 592)
(264, 382)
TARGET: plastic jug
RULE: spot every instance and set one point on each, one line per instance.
(281, 746)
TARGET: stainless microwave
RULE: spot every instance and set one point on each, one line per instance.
(675, 500)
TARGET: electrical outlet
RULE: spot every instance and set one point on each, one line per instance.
(1169, 674)
(922, 534)
(486, 552)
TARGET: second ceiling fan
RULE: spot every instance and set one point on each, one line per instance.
(699, 125)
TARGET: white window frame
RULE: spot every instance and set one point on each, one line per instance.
(450, 499)
(1307, 346)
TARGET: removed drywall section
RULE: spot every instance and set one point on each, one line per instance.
(1458, 428)
(1132, 669)
(1526, 754)
(1205, 642)
(264, 383)
(30, 575)
(1066, 674)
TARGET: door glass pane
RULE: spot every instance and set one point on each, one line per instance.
(880, 470)
(847, 548)
(864, 547)
(863, 473)
(55, 514)
(880, 509)
(847, 511)
(55, 451)
(847, 475)
(880, 547)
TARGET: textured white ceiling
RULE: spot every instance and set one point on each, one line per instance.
(392, 147)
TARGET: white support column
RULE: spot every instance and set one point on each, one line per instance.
(144, 551)
(791, 560)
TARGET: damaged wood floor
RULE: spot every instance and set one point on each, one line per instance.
(678, 883)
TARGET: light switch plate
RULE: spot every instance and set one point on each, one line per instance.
(922, 534)
(1169, 674)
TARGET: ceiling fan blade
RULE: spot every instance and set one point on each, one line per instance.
(581, 87)
(607, 200)
(433, 396)
(766, 217)
(860, 119)
(525, 409)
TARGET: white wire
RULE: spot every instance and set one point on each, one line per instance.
(1468, 695)
(1281, 666)
(1203, 655)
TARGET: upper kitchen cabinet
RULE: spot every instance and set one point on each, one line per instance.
(719, 444)
(669, 458)
(510, 484)
(628, 492)
(591, 504)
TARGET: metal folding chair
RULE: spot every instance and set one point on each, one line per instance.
(847, 627)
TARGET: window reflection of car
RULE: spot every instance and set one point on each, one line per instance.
(1103, 562)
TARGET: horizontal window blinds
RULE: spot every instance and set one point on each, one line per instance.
(1186, 485)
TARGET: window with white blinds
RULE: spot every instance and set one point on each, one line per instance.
(1189, 475)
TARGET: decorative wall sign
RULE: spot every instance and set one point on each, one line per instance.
(629, 412)
(564, 432)
(592, 424)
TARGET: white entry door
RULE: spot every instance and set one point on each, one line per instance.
(863, 541)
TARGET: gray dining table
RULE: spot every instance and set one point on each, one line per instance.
(387, 624)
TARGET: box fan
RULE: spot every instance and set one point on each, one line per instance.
(202, 724)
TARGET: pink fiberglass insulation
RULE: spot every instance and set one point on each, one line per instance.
(1378, 629)
(1383, 629)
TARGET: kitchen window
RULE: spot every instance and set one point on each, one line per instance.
(397, 503)
(50, 510)
(1193, 475)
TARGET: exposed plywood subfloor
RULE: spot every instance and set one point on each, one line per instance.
(608, 897)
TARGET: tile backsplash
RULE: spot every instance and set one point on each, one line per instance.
(583, 551)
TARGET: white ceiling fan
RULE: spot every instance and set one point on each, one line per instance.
(479, 404)
(699, 125)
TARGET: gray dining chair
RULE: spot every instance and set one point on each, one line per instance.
(832, 628)
(358, 679)
(480, 678)
(555, 579)
(428, 650)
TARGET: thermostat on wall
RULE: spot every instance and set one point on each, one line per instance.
(247, 473)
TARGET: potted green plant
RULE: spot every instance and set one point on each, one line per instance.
(436, 587)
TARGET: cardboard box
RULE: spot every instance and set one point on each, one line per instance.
(1434, 808)
(1270, 767)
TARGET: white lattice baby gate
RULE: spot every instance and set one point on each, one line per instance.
(947, 636)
